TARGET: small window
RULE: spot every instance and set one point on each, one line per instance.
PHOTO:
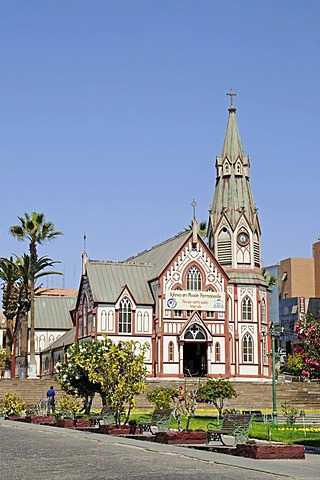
(170, 352)
(246, 309)
(217, 352)
(247, 348)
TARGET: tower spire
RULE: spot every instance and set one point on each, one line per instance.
(233, 209)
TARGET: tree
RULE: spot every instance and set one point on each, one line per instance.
(162, 397)
(37, 231)
(122, 376)
(73, 374)
(270, 279)
(23, 265)
(115, 371)
(308, 332)
(185, 403)
(215, 392)
(9, 275)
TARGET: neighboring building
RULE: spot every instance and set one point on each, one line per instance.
(201, 309)
(297, 292)
(53, 308)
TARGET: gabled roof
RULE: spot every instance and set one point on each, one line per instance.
(53, 312)
(108, 279)
(161, 254)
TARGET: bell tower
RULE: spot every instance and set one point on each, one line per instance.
(234, 239)
(233, 227)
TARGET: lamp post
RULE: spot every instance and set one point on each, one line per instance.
(273, 334)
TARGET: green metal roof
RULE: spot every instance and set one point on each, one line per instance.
(107, 279)
(53, 312)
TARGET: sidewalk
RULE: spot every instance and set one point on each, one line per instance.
(308, 469)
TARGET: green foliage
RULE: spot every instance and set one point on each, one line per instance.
(289, 411)
(115, 371)
(296, 363)
(69, 405)
(2, 357)
(12, 404)
(122, 375)
(75, 374)
(308, 332)
(215, 392)
(162, 397)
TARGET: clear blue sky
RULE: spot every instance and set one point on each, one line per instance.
(112, 114)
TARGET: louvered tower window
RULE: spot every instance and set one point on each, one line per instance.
(224, 248)
(256, 250)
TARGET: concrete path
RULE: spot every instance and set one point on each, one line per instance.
(308, 469)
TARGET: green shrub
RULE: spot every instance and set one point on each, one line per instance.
(162, 397)
(12, 405)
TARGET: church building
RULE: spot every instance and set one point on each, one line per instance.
(201, 306)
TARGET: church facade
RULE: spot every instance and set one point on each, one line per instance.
(201, 306)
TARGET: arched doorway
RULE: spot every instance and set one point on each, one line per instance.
(194, 352)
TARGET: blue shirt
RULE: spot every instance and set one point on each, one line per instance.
(51, 393)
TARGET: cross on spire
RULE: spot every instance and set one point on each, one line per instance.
(231, 94)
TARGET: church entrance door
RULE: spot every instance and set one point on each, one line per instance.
(195, 359)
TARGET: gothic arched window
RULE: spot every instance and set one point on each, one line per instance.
(194, 279)
(125, 316)
(247, 348)
(217, 352)
(246, 309)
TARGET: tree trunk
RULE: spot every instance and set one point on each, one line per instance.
(24, 346)
(32, 364)
(9, 342)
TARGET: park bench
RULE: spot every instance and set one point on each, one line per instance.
(238, 426)
(105, 417)
(160, 419)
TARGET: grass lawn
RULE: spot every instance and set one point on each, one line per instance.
(278, 433)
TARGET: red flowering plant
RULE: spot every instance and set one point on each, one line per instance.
(308, 352)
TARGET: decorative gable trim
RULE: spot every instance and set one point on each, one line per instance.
(126, 293)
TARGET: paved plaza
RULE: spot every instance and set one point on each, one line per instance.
(34, 452)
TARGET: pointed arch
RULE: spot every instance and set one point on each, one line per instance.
(246, 309)
(194, 279)
(224, 247)
(125, 316)
(247, 348)
(194, 332)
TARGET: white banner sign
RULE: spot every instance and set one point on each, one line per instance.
(195, 300)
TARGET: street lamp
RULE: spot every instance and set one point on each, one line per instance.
(273, 334)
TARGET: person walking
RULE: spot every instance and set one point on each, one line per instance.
(51, 401)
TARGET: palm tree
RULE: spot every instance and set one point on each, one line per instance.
(34, 228)
(270, 279)
(9, 274)
(24, 300)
